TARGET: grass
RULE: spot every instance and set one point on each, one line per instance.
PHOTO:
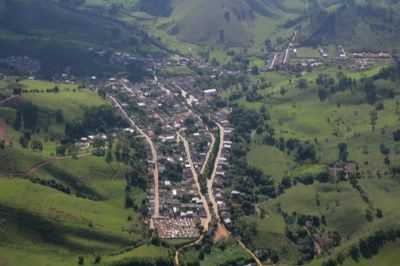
(340, 204)
(142, 252)
(70, 100)
(271, 234)
(307, 52)
(52, 222)
(270, 160)
(223, 253)
(46, 226)
(344, 117)
(388, 256)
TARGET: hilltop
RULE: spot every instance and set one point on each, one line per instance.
(358, 25)
(63, 36)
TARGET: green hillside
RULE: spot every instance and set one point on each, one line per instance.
(363, 119)
(63, 36)
(357, 25)
(55, 210)
(222, 23)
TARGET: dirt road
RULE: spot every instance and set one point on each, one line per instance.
(154, 156)
(221, 227)
(251, 253)
(3, 132)
(206, 221)
(203, 168)
(210, 181)
(8, 99)
(37, 166)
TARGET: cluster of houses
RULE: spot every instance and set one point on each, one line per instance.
(165, 114)
(23, 64)
(222, 197)
(343, 170)
(97, 143)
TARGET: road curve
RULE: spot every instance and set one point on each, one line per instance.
(210, 183)
(154, 156)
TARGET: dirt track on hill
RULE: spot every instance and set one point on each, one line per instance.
(3, 132)
(3, 262)
(39, 165)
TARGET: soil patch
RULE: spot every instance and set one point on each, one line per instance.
(221, 233)
(3, 133)
(3, 262)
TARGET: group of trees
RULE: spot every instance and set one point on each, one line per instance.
(248, 180)
(327, 85)
(27, 117)
(96, 119)
(366, 248)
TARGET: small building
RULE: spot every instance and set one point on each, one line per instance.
(210, 92)
(343, 170)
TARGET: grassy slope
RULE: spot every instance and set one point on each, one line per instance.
(300, 114)
(197, 25)
(357, 27)
(47, 227)
(57, 224)
(230, 253)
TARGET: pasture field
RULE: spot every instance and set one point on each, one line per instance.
(344, 117)
(278, 164)
(222, 253)
(387, 256)
(70, 99)
(145, 252)
(43, 225)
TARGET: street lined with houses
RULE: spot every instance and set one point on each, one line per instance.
(189, 161)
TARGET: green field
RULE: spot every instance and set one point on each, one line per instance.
(343, 117)
(42, 225)
(222, 253)
(270, 160)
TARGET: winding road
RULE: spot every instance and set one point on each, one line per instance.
(154, 156)
(210, 183)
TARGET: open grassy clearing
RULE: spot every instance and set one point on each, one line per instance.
(388, 256)
(343, 117)
(145, 252)
(46, 226)
(271, 235)
(222, 253)
(71, 100)
(57, 224)
(270, 160)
